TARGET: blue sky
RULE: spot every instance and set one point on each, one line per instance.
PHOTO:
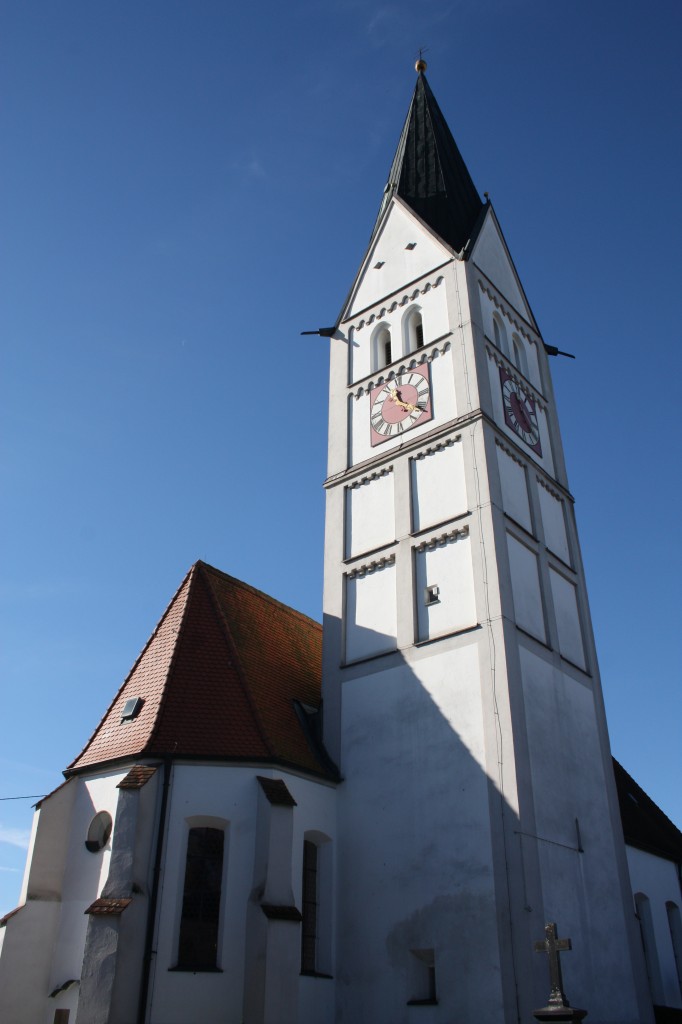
(187, 186)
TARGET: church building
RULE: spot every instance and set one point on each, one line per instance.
(374, 821)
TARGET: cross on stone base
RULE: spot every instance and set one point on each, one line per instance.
(558, 1007)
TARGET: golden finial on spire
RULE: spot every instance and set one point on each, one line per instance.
(420, 66)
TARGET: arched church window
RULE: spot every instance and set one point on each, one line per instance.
(198, 943)
(309, 909)
(500, 335)
(675, 926)
(381, 348)
(646, 928)
(316, 899)
(414, 331)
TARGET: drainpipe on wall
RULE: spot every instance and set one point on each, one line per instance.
(154, 895)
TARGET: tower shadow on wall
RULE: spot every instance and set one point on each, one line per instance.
(433, 854)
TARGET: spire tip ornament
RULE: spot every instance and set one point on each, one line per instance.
(420, 66)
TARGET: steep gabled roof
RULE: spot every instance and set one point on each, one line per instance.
(644, 823)
(218, 680)
(428, 172)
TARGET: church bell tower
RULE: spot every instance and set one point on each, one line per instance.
(462, 699)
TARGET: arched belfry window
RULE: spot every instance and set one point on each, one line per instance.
(382, 353)
(520, 355)
(500, 335)
(414, 331)
(198, 942)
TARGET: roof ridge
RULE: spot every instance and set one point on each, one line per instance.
(260, 593)
(647, 797)
(189, 579)
(145, 648)
(234, 652)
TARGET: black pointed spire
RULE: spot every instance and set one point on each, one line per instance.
(428, 171)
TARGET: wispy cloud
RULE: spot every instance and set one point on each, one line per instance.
(255, 168)
(14, 871)
(250, 167)
(15, 836)
(379, 19)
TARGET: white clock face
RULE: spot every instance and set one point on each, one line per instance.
(399, 404)
(519, 412)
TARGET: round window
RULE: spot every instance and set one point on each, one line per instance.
(99, 832)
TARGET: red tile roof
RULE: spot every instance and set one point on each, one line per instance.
(108, 905)
(218, 678)
(5, 919)
(137, 777)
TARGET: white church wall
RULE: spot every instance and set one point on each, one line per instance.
(46, 856)
(371, 611)
(438, 485)
(442, 401)
(402, 252)
(514, 483)
(141, 834)
(62, 879)
(546, 459)
(315, 819)
(658, 880)
(444, 586)
(562, 731)
(565, 598)
(427, 295)
(414, 765)
(553, 522)
(228, 796)
(534, 375)
(30, 935)
(491, 256)
(503, 327)
(224, 797)
(25, 962)
(85, 872)
(370, 512)
(527, 596)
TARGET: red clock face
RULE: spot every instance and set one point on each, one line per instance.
(400, 404)
(519, 412)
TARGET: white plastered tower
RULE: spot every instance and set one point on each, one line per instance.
(461, 690)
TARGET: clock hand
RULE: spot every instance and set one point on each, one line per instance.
(408, 406)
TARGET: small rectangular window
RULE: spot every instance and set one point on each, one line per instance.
(61, 1017)
(422, 978)
(131, 709)
(419, 334)
(432, 595)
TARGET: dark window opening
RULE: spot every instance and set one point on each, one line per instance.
(309, 908)
(131, 709)
(99, 832)
(198, 945)
(387, 352)
(423, 978)
(419, 334)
